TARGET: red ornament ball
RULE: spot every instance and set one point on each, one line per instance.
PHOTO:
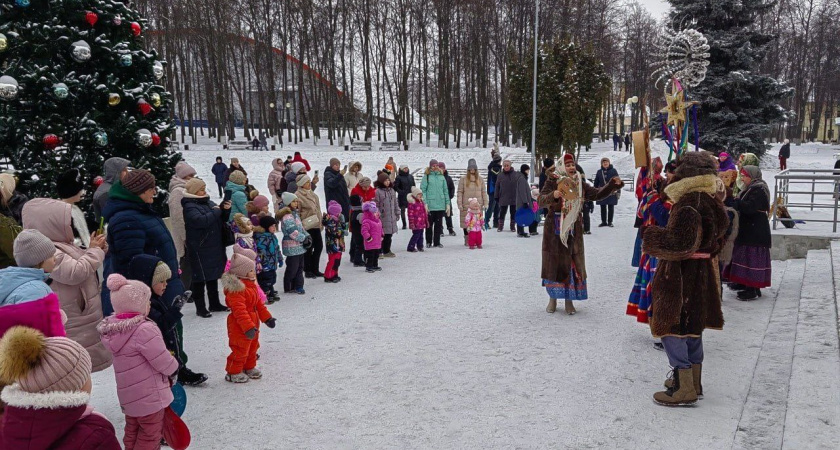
(144, 107)
(51, 141)
(155, 139)
(91, 18)
(135, 28)
(98, 181)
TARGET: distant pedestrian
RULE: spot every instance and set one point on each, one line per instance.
(784, 154)
(219, 169)
(627, 141)
(255, 144)
(616, 141)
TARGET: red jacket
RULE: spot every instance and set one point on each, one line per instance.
(366, 195)
(54, 421)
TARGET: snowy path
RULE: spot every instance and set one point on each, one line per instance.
(453, 349)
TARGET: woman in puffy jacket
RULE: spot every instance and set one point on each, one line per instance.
(275, 180)
(470, 186)
(389, 209)
(75, 278)
(310, 216)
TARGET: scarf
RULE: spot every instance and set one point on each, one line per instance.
(571, 212)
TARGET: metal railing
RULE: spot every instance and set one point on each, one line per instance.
(821, 185)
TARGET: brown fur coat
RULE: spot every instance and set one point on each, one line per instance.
(557, 258)
(686, 291)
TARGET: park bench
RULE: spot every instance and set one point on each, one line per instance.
(393, 146)
(361, 146)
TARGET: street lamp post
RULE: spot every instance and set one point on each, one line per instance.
(633, 103)
(534, 103)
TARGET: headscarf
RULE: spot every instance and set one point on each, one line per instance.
(571, 210)
(757, 182)
(747, 159)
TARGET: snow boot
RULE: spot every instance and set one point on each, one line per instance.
(189, 378)
(453, 233)
(254, 374)
(389, 255)
(682, 392)
(570, 308)
(749, 294)
(552, 306)
(237, 378)
(696, 372)
(736, 287)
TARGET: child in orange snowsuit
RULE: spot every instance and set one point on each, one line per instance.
(246, 313)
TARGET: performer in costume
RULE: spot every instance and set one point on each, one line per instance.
(563, 262)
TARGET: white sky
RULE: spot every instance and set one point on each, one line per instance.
(656, 7)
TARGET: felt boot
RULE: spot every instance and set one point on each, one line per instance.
(682, 392)
(552, 306)
(570, 308)
(696, 372)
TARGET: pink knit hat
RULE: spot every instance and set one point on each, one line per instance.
(333, 208)
(183, 170)
(129, 296)
(261, 201)
(242, 262)
(42, 364)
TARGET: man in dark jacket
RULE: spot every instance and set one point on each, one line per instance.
(403, 185)
(505, 194)
(451, 186)
(115, 169)
(616, 142)
(335, 187)
(234, 166)
(493, 170)
(219, 169)
(784, 154)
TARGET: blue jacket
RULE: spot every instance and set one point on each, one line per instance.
(238, 199)
(204, 247)
(135, 229)
(219, 170)
(602, 177)
(493, 170)
(166, 317)
(22, 284)
(268, 250)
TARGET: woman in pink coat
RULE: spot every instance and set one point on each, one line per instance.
(142, 364)
(275, 180)
(75, 279)
(372, 234)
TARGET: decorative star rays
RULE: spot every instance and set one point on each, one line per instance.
(675, 120)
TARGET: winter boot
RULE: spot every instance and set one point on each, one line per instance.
(552, 306)
(254, 373)
(749, 294)
(696, 372)
(736, 287)
(570, 308)
(682, 392)
(237, 378)
(513, 226)
(189, 378)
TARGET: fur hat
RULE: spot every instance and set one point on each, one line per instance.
(7, 186)
(261, 201)
(694, 164)
(382, 178)
(139, 181)
(365, 182)
(253, 193)
(194, 185)
(302, 179)
(42, 364)
(267, 222)
(238, 177)
(474, 206)
(333, 208)
(184, 170)
(243, 262)
(31, 248)
(242, 224)
(370, 207)
(162, 273)
(129, 295)
(415, 191)
(472, 165)
(69, 183)
(287, 198)
(297, 166)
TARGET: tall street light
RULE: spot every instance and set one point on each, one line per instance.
(534, 105)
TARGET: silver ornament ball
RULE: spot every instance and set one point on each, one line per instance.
(61, 91)
(100, 138)
(80, 51)
(8, 88)
(158, 70)
(144, 137)
(125, 60)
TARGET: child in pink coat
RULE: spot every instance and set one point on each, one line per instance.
(372, 234)
(418, 219)
(142, 364)
(474, 222)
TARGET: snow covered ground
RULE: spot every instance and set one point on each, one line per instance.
(453, 348)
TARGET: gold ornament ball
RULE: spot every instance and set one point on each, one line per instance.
(156, 100)
(114, 99)
(4, 43)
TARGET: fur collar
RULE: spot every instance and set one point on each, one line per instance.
(112, 325)
(702, 183)
(230, 283)
(15, 396)
(188, 195)
(284, 212)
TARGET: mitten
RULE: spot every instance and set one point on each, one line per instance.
(251, 334)
(178, 302)
(271, 323)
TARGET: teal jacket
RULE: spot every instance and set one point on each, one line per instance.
(435, 191)
(237, 200)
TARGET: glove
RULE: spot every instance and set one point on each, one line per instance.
(307, 243)
(448, 209)
(251, 334)
(179, 301)
(271, 323)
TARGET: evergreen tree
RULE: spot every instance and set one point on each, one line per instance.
(737, 104)
(77, 88)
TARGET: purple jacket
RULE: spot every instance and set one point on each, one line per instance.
(55, 421)
(372, 231)
(142, 364)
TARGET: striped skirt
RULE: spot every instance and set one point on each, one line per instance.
(750, 266)
(574, 289)
(638, 305)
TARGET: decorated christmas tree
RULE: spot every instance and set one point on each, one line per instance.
(76, 88)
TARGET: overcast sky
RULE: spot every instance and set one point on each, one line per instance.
(656, 7)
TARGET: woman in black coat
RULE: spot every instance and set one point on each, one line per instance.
(403, 185)
(750, 269)
(606, 173)
(205, 247)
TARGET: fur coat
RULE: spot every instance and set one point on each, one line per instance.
(686, 287)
